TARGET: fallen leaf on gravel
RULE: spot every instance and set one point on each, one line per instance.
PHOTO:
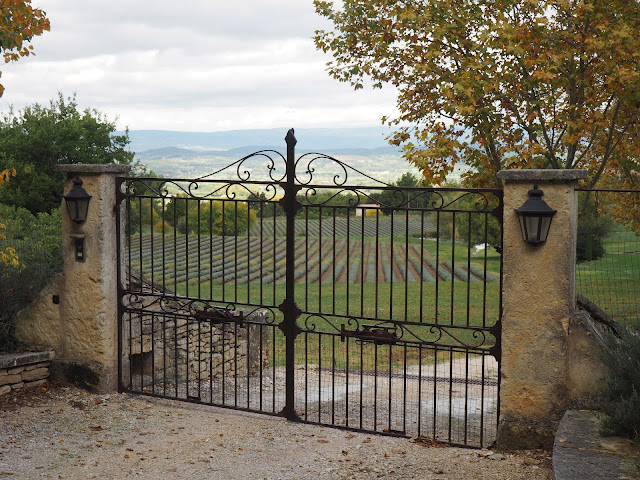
(398, 451)
(323, 441)
(345, 453)
(426, 442)
(96, 428)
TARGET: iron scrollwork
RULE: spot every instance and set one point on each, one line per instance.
(391, 332)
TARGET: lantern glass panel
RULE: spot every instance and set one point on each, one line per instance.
(545, 225)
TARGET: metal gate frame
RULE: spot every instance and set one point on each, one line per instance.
(146, 307)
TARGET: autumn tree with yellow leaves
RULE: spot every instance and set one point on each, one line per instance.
(499, 84)
(19, 23)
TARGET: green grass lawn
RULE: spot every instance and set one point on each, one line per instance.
(613, 281)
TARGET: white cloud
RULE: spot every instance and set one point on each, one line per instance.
(195, 65)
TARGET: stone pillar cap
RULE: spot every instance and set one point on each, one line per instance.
(92, 168)
(544, 175)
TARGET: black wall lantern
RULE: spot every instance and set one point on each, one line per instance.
(535, 218)
(77, 201)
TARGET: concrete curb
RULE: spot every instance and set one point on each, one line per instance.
(579, 452)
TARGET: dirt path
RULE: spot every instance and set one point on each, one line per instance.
(66, 433)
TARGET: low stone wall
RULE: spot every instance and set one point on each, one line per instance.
(170, 339)
(170, 345)
(24, 370)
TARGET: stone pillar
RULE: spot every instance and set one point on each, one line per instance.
(88, 294)
(538, 299)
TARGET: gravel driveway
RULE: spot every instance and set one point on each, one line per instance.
(67, 433)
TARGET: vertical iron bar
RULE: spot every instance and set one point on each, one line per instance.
(421, 264)
(437, 268)
(236, 260)
(306, 270)
(453, 263)
(199, 259)
(333, 290)
(333, 379)
(390, 382)
(469, 271)
(319, 377)
(151, 235)
(348, 260)
(175, 246)
(377, 261)
(346, 396)
(391, 265)
(186, 251)
(320, 259)
(466, 396)
(224, 259)
(211, 344)
(420, 390)
(406, 270)
(248, 253)
(375, 386)
(363, 271)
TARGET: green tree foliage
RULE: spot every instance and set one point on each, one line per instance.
(19, 23)
(40, 137)
(499, 84)
(216, 217)
(416, 198)
(263, 208)
(322, 201)
(34, 248)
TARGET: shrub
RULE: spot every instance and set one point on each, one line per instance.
(622, 402)
(32, 255)
(592, 230)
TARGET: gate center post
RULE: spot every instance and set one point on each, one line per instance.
(289, 307)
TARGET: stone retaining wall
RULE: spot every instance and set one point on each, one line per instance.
(24, 370)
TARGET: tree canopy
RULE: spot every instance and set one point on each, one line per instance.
(499, 83)
(19, 23)
(40, 137)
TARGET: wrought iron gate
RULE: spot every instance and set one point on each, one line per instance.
(305, 288)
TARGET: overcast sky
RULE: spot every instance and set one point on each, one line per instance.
(191, 65)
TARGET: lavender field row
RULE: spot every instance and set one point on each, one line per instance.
(173, 260)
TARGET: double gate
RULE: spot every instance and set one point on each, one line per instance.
(305, 288)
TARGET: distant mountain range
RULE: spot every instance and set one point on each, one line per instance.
(325, 140)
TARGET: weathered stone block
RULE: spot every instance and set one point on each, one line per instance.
(5, 389)
(15, 371)
(10, 379)
(34, 384)
(37, 374)
(17, 386)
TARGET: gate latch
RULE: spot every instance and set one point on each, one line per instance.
(219, 315)
(371, 333)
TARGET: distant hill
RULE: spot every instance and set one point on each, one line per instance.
(309, 139)
(192, 154)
